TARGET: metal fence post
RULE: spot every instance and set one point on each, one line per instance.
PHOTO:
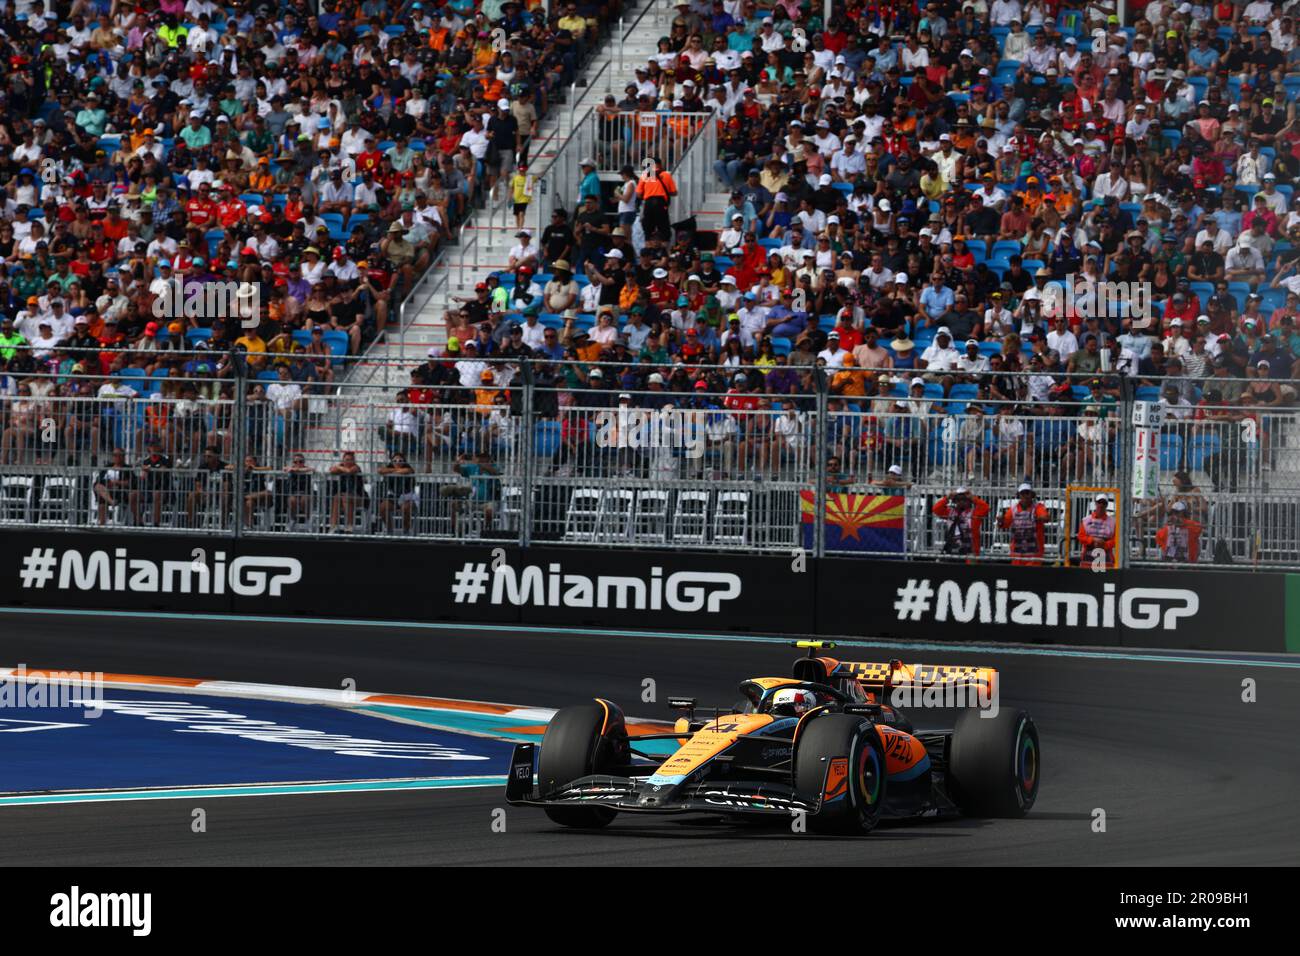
(238, 444)
(822, 439)
(527, 478)
(1125, 504)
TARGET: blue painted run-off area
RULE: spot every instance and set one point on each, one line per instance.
(144, 739)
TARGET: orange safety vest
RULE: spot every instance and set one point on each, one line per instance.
(1100, 533)
(662, 186)
(1026, 532)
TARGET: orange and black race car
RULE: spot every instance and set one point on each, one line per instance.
(825, 743)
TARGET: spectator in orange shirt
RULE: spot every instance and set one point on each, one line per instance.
(1097, 530)
(1179, 538)
(1027, 522)
(965, 514)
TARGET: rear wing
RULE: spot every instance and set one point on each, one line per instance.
(896, 674)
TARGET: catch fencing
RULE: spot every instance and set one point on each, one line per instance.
(532, 452)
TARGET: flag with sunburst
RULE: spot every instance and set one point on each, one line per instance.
(868, 523)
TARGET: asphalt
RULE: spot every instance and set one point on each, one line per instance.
(1183, 769)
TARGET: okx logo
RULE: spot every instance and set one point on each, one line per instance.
(218, 299)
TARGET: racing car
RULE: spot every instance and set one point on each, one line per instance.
(825, 743)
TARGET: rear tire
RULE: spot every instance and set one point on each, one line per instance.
(581, 741)
(994, 764)
(855, 807)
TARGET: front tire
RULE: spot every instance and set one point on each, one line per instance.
(994, 764)
(581, 741)
(854, 803)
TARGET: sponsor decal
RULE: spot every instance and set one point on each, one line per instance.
(751, 801)
(551, 586)
(246, 576)
(1137, 608)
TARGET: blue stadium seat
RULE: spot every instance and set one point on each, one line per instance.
(1171, 451)
(546, 438)
(198, 335)
(337, 340)
(1201, 448)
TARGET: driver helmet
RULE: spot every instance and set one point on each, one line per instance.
(793, 701)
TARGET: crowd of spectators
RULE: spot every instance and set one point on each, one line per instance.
(908, 186)
(195, 192)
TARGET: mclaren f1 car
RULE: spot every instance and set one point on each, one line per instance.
(825, 743)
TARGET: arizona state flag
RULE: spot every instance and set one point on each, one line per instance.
(872, 523)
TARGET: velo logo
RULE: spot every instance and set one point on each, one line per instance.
(1088, 299)
(181, 299)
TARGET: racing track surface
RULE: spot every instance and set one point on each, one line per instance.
(1186, 772)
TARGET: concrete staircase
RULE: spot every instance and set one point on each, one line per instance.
(483, 242)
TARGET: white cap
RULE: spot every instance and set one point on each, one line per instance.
(503, 104)
(614, 254)
(961, 490)
(1179, 506)
(1024, 486)
(1101, 500)
(726, 280)
(432, 353)
(895, 469)
(942, 330)
(655, 379)
(825, 180)
(661, 273)
(884, 205)
(901, 278)
(588, 161)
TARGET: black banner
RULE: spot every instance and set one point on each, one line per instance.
(642, 590)
(1130, 608)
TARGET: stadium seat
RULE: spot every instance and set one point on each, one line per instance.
(1171, 451)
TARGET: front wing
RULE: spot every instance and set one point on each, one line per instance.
(635, 795)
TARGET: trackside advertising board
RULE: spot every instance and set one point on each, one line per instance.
(649, 590)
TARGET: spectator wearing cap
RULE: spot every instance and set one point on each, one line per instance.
(964, 514)
(1097, 534)
(524, 252)
(1026, 522)
(1179, 538)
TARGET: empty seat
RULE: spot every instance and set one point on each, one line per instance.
(731, 518)
(16, 499)
(650, 516)
(691, 517)
(580, 522)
